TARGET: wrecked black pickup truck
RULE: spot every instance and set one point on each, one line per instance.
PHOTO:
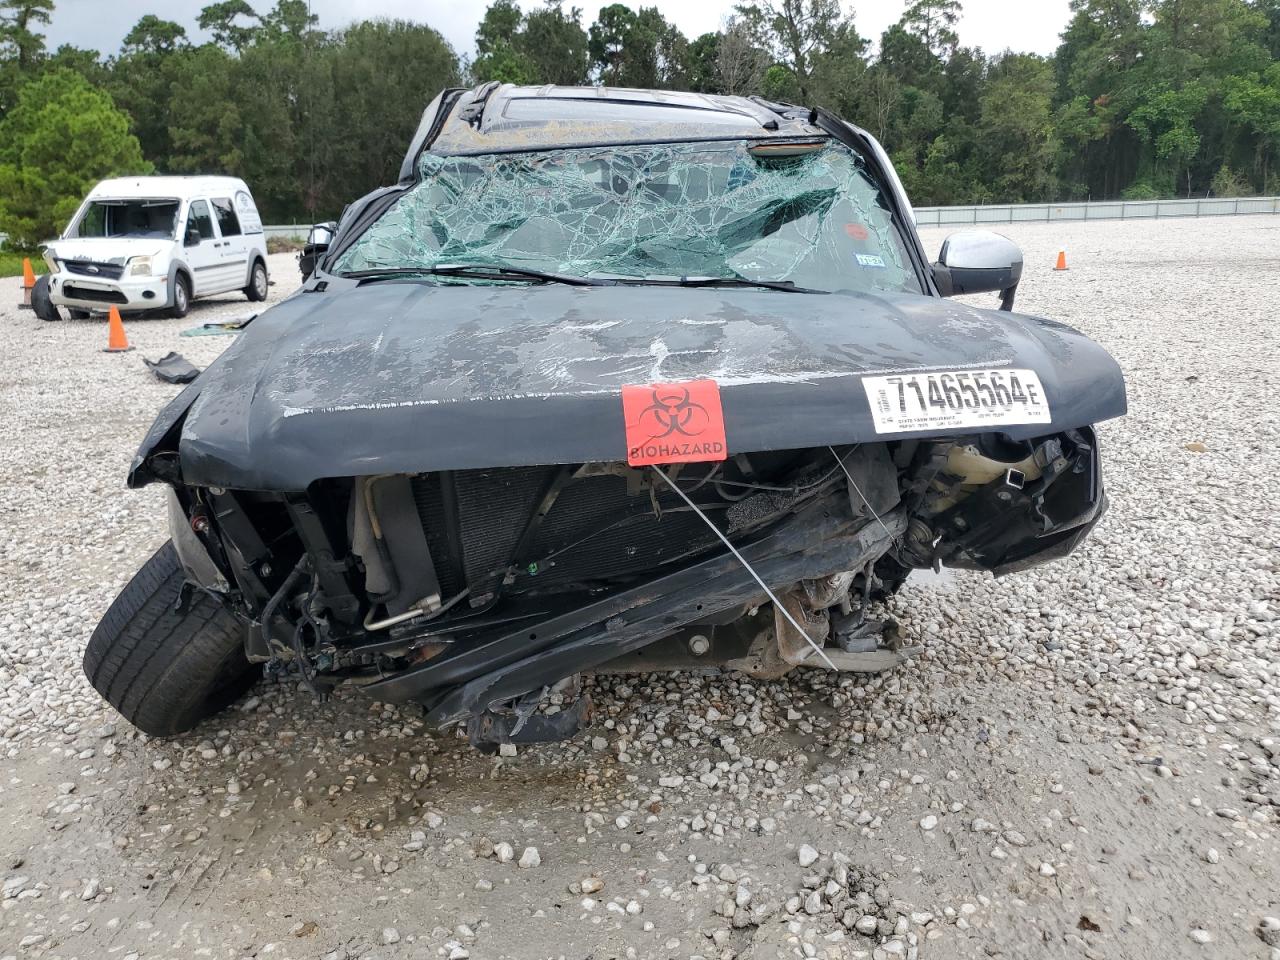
(610, 380)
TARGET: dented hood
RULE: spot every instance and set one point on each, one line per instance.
(405, 377)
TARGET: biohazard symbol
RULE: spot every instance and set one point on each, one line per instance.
(673, 422)
(672, 411)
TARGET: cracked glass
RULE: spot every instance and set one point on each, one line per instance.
(808, 213)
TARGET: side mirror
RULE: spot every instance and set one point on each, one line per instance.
(318, 240)
(321, 235)
(192, 239)
(979, 261)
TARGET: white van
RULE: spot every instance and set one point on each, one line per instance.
(155, 243)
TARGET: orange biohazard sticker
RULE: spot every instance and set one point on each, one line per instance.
(674, 422)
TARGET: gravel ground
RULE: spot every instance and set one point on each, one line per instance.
(1084, 762)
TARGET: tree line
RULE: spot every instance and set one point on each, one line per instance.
(1142, 99)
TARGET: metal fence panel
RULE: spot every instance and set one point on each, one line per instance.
(1099, 210)
(1025, 212)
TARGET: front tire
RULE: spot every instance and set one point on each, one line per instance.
(162, 665)
(41, 304)
(181, 300)
(256, 291)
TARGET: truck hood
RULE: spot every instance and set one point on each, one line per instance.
(409, 377)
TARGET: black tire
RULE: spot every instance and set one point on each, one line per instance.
(181, 300)
(256, 291)
(163, 669)
(41, 305)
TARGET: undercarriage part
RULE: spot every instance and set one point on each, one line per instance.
(489, 729)
(387, 535)
(278, 648)
(470, 678)
(802, 631)
(698, 646)
(868, 661)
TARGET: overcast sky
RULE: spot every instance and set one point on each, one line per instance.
(1023, 25)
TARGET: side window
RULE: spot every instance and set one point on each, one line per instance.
(94, 221)
(228, 223)
(198, 215)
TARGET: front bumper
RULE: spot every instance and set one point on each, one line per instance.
(92, 293)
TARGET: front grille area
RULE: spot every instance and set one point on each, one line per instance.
(77, 292)
(94, 268)
(594, 531)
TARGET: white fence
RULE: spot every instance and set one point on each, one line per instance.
(1096, 210)
(1015, 212)
(290, 231)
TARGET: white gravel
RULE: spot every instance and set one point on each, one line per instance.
(1084, 762)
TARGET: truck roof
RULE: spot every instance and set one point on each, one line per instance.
(180, 187)
(496, 118)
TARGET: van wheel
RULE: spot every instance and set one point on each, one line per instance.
(181, 300)
(167, 661)
(257, 288)
(41, 305)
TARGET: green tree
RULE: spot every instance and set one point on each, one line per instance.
(289, 20)
(555, 43)
(205, 123)
(496, 40)
(21, 46)
(18, 22)
(1167, 121)
(384, 73)
(547, 45)
(798, 33)
(60, 139)
(154, 36)
(1253, 102)
(638, 48)
(934, 22)
(1016, 129)
(223, 20)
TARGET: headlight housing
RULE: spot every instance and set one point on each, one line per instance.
(50, 260)
(139, 266)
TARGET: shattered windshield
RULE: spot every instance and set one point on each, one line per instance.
(152, 219)
(806, 213)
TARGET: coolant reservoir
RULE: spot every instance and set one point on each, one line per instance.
(976, 469)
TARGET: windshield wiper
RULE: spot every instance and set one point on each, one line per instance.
(474, 271)
(786, 286)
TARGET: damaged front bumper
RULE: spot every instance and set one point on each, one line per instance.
(361, 580)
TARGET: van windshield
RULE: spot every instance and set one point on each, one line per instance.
(150, 219)
(806, 213)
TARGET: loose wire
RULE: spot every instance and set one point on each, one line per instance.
(743, 560)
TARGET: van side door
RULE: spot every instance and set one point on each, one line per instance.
(200, 249)
(233, 272)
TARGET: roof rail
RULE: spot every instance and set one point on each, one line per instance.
(473, 112)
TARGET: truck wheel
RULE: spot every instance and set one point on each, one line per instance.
(167, 661)
(41, 305)
(181, 296)
(257, 288)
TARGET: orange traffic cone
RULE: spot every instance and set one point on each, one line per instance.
(1062, 260)
(117, 342)
(28, 283)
